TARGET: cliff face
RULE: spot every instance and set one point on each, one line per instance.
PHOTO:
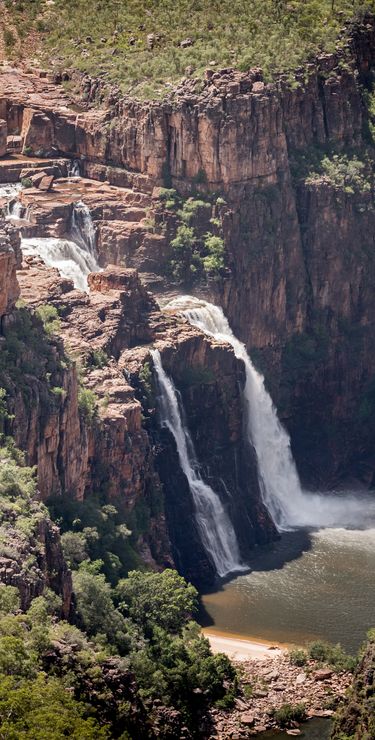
(85, 431)
(9, 260)
(299, 253)
(357, 719)
(209, 379)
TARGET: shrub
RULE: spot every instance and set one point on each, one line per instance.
(9, 38)
(298, 657)
(98, 358)
(87, 403)
(289, 713)
(214, 262)
(347, 173)
(145, 377)
(332, 655)
(49, 317)
(157, 599)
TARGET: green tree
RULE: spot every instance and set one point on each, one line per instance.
(44, 710)
(96, 609)
(158, 599)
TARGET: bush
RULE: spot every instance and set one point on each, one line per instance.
(345, 172)
(289, 713)
(332, 655)
(9, 38)
(298, 657)
(158, 599)
(214, 262)
(98, 358)
(87, 403)
(49, 317)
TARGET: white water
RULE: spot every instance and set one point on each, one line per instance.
(10, 190)
(14, 208)
(75, 258)
(83, 230)
(215, 528)
(74, 169)
(72, 260)
(281, 490)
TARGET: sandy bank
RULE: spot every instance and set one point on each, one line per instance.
(239, 648)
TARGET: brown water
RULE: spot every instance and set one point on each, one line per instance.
(305, 587)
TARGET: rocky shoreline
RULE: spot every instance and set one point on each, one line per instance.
(269, 683)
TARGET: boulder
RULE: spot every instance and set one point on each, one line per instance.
(323, 674)
(247, 719)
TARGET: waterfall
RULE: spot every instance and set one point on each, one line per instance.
(83, 230)
(288, 504)
(71, 260)
(10, 190)
(74, 258)
(14, 210)
(215, 528)
(74, 168)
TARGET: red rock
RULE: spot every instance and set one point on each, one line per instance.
(323, 674)
(46, 183)
(247, 718)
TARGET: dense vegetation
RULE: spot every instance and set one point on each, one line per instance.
(197, 247)
(50, 670)
(146, 46)
(356, 718)
(132, 646)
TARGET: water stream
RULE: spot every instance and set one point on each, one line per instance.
(215, 528)
(317, 581)
(74, 258)
(289, 505)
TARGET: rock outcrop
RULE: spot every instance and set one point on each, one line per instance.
(356, 720)
(9, 260)
(98, 432)
(288, 241)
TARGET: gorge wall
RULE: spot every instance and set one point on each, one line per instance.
(82, 405)
(299, 249)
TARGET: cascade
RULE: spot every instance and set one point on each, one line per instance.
(71, 260)
(83, 230)
(289, 505)
(14, 209)
(215, 528)
(75, 258)
(74, 169)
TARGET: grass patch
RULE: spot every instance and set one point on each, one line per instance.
(113, 38)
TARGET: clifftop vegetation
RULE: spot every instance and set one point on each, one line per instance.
(145, 46)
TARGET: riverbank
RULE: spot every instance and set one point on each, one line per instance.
(269, 681)
(240, 649)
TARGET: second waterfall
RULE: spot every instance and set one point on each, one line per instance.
(215, 528)
(288, 504)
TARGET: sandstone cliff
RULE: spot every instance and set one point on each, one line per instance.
(299, 252)
(356, 720)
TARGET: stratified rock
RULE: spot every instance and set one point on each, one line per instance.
(9, 259)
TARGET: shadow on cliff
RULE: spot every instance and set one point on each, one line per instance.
(272, 556)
